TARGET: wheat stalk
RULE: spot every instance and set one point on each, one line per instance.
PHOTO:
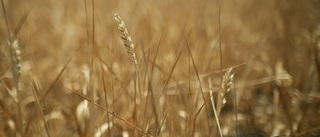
(15, 69)
(126, 38)
(15, 59)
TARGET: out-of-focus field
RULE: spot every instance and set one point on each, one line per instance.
(73, 62)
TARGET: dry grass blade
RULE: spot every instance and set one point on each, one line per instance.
(223, 70)
(167, 81)
(123, 88)
(201, 90)
(164, 119)
(49, 89)
(213, 106)
(235, 106)
(4, 65)
(39, 106)
(150, 88)
(202, 76)
(21, 22)
(110, 112)
(11, 93)
(157, 51)
(89, 10)
(198, 112)
(106, 100)
(5, 17)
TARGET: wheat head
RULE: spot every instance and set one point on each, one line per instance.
(126, 38)
(15, 57)
(227, 81)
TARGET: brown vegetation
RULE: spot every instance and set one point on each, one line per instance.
(197, 68)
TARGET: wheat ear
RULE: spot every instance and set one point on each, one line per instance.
(126, 38)
(16, 58)
(225, 87)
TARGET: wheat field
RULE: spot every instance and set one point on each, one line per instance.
(102, 68)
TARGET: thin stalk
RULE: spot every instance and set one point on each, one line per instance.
(112, 113)
(14, 66)
(213, 106)
(42, 114)
(150, 88)
(235, 105)
(221, 75)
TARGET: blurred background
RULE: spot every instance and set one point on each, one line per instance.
(70, 47)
